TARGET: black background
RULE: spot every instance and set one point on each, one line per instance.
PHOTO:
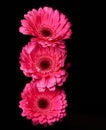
(84, 87)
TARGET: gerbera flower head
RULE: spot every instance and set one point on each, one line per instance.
(46, 24)
(43, 107)
(44, 65)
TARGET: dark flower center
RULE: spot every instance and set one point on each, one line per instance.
(46, 33)
(43, 103)
(45, 64)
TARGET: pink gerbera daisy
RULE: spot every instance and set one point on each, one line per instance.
(46, 24)
(44, 65)
(43, 107)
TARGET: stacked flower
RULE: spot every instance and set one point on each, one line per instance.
(43, 59)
